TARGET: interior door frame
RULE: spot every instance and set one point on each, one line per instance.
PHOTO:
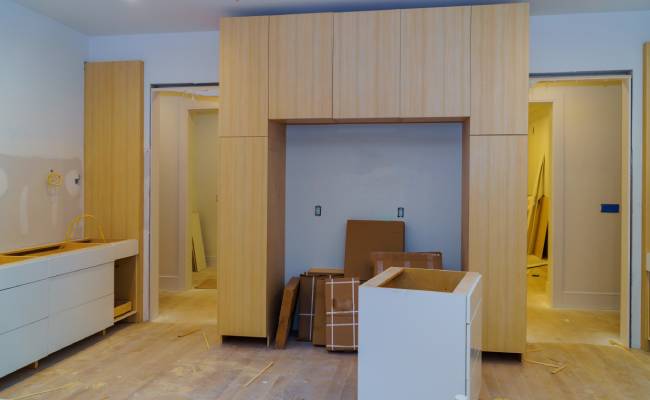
(557, 181)
(191, 102)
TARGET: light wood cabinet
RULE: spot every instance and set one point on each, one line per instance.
(374, 66)
(114, 157)
(435, 62)
(497, 236)
(300, 66)
(244, 80)
(499, 73)
(366, 64)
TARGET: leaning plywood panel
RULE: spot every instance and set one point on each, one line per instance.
(435, 62)
(300, 66)
(242, 236)
(113, 154)
(499, 72)
(244, 80)
(366, 64)
(497, 236)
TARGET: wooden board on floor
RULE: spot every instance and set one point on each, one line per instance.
(542, 226)
(197, 242)
(289, 297)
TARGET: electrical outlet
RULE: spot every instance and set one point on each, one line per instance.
(400, 212)
(317, 211)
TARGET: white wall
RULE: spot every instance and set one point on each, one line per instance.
(41, 123)
(607, 41)
(366, 172)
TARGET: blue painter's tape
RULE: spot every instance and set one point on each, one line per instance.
(610, 208)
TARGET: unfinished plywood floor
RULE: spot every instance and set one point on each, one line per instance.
(549, 325)
(150, 361)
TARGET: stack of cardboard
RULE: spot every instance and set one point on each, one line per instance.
(342, 313)
(308, 298)
(328, 297)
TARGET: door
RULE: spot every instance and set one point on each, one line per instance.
(366, 64)
(300, 66)
(242, 236)
(499, 72)
(435, 60)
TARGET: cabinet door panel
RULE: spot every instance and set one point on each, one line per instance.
(242, 236)
(366, 64)
(435, 57)
(497, 236)
(499, 76)
(244, 81)
(300, 66)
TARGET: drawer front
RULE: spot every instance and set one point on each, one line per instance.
(23, 305)
(12, 275)
(23, 346)
(80, 287)
(72, 325)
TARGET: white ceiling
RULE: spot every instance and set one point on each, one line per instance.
(115, 17)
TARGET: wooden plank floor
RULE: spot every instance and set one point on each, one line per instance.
(150, 361)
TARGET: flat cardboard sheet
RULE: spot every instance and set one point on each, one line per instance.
(383, 260)
(364, 237)
(285, 319)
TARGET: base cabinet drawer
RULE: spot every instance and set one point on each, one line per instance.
(80, 287)
(22, 346)
(23, 305)
(70, 326)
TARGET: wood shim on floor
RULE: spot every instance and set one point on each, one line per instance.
(257, 375)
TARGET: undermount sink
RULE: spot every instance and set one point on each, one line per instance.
(51, 249)
(12, 259)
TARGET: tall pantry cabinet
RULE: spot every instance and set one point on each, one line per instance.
(464, 64)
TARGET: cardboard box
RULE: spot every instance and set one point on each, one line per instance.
(306, 299)
(365, 237)
(318, 337)
(342, 314)
(382, 260)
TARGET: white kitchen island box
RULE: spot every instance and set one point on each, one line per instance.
(420, 335)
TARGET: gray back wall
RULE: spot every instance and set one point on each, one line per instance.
(367, 172)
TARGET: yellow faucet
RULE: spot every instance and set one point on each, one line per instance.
(73, 225)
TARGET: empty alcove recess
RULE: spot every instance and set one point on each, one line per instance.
(367, 171)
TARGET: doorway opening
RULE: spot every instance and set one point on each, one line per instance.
(183, 204)
(578, 245)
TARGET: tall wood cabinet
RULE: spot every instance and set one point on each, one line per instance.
(250, 257)
(465, 64)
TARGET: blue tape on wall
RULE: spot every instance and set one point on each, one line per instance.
(610, 208)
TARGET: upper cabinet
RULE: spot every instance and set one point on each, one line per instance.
(367, 64)
(300, 66)
(435, 62)
(244, 81)
(499, 73)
